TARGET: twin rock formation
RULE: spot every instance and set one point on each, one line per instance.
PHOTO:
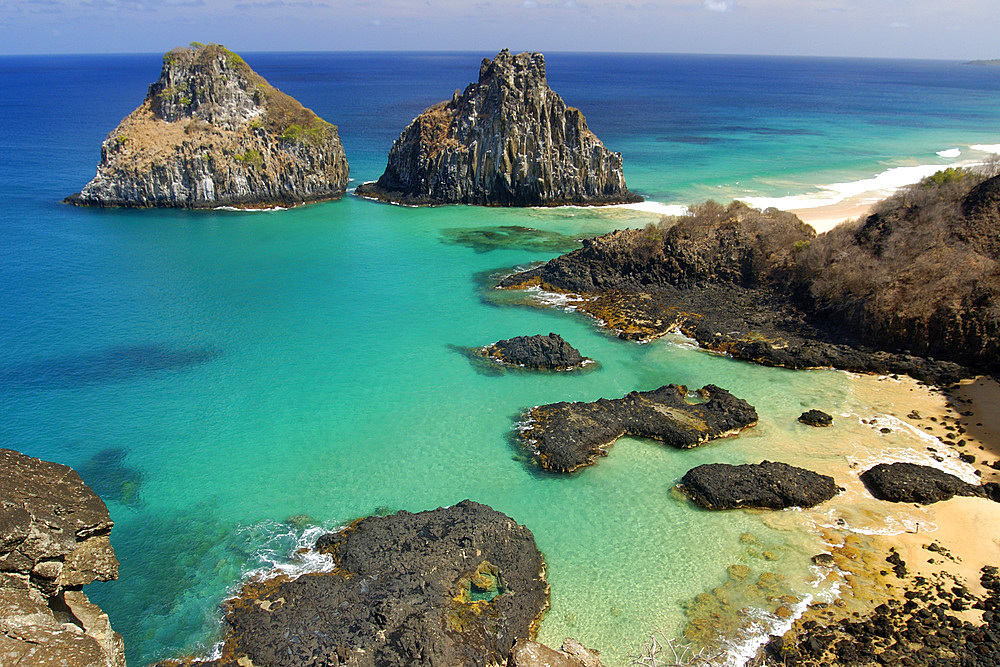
(212, 132)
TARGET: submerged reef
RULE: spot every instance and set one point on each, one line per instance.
(507, 140)
(212, 132)
(567, 436)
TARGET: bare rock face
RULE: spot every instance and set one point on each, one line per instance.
(212, 132)
(53, 540)
(452, 587)
(508, 140)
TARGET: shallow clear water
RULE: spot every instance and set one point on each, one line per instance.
(213, 374)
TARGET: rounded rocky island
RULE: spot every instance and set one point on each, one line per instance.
(537, 352)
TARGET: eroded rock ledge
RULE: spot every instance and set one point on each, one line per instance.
(212, 132)
(765, 485)
(507, 140)
(54, 539)
(448, 587)
(567, 436)
(539, 352)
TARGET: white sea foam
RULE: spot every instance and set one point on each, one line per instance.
(869, 189)
(250, 210)
(986, 148)
(950, 152)
(659, 208)
(289, 551)
(568, 302)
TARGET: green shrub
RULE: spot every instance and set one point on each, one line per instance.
(251, 157)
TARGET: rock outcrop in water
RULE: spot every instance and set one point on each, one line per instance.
(766, 485)
(212, 132)
(567, 436)
(455, 586)
(913, 288)
(550, 352)
(911, 483)
(816, 418)
(53, 540)
(508, 140)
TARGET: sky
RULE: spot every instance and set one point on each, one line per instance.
(939, 29)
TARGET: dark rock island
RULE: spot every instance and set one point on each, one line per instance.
(566, 436)
(508, 140)
(450, 587)
(765, 485)
(911, 483)
(911, 288)
(54, 539)
(212, 132)
(550, 352)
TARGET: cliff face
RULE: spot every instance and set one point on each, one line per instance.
(508, 140)
(212, 132)
(53, 540)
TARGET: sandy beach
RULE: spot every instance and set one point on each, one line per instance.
(825, 218)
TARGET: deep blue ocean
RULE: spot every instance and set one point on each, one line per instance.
(232, 382)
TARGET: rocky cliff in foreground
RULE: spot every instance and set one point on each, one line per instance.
(212, 132)
(53, 540)
(508, 140)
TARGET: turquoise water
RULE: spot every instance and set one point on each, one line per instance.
(213, 374)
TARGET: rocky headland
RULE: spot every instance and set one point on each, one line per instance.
(765, 485)
(453, 586)
(538, 352)
(507, 140)
(212, 132)
(54, 539)
(911, 288)
(566, 436)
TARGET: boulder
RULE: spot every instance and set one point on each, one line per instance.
(816, 418)
(765, 485)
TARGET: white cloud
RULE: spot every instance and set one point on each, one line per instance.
(717, 5)
(899, 24)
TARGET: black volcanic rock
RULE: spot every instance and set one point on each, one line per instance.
(567, 436)
(751, 284)
(816, 418)
(539, 352)
(912, 483)
(54, 539)
(449, 587)
(212, 132)
(765, 485)
(507, 140)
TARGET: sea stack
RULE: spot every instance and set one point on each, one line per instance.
(212, 132)
(508, 140)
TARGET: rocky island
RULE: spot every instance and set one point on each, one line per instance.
(54, 539)
(550, 352)
(566, 436)
(507, 140)
(912, 288)
(765, 485)
(212, 132)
